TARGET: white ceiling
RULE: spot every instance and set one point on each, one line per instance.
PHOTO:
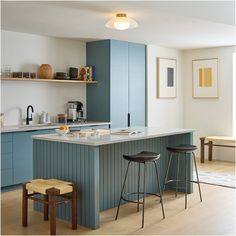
(175, 24)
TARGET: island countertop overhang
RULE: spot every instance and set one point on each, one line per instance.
(97, 140)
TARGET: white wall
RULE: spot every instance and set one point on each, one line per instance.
(26, 52)
(163, 112)
(211, 116)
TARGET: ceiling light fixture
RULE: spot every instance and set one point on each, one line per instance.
(121, 22)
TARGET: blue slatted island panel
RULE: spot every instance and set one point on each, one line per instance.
(99, 170)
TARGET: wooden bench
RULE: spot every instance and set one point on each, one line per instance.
(210, 141)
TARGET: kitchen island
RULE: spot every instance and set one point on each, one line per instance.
(96, 165)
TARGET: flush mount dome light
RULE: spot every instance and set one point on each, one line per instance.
(121, 22)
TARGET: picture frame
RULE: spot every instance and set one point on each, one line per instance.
(166, 78)
(205, 78)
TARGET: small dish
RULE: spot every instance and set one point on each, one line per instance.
(62, 132)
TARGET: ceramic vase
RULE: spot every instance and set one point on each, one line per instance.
(45, 71)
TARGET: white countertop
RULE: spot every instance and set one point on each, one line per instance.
(20, 128)
(146, 133)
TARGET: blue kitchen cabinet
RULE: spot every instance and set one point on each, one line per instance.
(23, 155)
(119, 83)
(17, 156)
(137, 84)
(6, 160)
(98, 95)
(120, 69)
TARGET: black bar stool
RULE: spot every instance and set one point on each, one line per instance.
(141, 158)
(182, 149)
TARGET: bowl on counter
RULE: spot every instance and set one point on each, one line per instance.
(62, 132)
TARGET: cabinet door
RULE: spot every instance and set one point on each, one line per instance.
(137, 84)
(23, 155)
(119, 83)
(98, 95)
(6, 160)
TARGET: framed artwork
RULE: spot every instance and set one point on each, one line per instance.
(166, 78)
(205, 78)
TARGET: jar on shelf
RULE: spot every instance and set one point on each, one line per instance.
(62, 118)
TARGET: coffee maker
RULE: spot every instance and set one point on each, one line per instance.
(74, 111)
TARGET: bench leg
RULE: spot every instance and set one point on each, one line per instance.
(202, 149)
(210, 150)
(24, 206)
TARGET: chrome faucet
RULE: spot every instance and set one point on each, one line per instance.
(28, 119)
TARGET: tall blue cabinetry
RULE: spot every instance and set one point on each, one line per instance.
(119, 95)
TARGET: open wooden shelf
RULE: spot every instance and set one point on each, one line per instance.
(50, 80)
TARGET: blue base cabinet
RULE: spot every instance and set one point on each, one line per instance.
(6, 160)
(17, 156)
(120, 94)
(23, 155)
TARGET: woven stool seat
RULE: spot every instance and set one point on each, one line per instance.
(41, 185)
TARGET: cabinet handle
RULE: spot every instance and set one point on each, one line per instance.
(128, 119)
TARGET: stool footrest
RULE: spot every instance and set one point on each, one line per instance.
(175, 180)
(67, 198)
(127, 200)
(141, 193)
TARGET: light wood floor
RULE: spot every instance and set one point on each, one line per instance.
(215, 215)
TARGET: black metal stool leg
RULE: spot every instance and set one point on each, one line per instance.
(121, 195)
(144, 192)
(138, 185)
(167, 171)
(186, 185)
(199, 189)
(177, 175)
(159, 186)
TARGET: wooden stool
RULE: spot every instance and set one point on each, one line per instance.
(50, 189)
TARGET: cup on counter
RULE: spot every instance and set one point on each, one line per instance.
(45, 118)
